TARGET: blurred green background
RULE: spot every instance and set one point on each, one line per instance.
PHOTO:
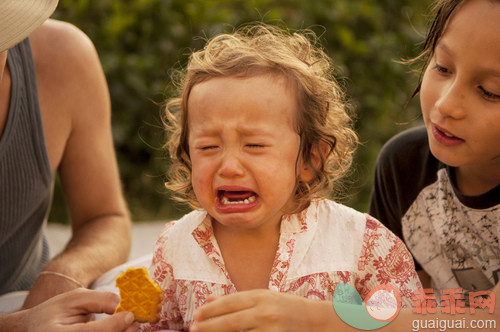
(140, 41)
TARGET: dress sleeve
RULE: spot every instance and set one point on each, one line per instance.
(161, 272)
(386, 260)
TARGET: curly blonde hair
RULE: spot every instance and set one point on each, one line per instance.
(323, 122)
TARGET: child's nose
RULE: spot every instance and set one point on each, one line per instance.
(452, 101)
(230, 166)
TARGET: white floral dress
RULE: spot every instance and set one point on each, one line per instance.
(323, 245)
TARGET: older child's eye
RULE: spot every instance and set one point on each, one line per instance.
(489, 95)
(441, 69)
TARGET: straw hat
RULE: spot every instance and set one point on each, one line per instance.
(18, 18)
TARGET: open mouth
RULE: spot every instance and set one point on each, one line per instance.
(447, 134)
(444, 136)
(227, 197)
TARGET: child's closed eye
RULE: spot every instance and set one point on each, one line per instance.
(489, 95)
(255, 145)
(208, 147)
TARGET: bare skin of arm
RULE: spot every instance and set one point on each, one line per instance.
(76, 115)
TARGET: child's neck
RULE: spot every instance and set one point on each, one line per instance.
(248, 258)
(474, 182)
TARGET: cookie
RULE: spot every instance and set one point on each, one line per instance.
(139, 295)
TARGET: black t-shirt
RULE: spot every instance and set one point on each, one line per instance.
(452, 236)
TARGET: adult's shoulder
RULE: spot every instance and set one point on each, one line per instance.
(72, 91)
(65, 58)
(56, 40)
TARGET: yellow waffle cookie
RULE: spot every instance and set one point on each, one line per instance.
(139, 295)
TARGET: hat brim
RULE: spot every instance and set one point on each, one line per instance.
(19, 18)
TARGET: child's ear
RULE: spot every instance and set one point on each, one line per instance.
(318, 153)
(306, 173)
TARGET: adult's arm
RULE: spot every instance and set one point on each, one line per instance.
(76, 114)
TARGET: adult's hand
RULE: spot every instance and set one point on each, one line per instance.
(71, 311)
(263, 310)
(47, 286)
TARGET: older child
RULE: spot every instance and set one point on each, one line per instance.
(438, 186)
(260, 133)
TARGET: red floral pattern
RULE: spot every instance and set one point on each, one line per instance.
(382, 259)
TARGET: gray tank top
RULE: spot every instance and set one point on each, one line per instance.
(26, 179)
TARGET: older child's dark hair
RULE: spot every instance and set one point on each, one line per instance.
(442, 10)
(322, 122)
